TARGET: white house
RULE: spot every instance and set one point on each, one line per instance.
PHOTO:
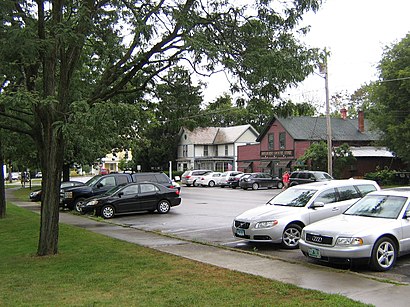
(213, 148)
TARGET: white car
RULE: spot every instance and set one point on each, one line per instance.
(282, 219)
(190, 177)
(376, 228)
(223, 182)
(209, 179)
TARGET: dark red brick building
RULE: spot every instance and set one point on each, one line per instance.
(284, 140)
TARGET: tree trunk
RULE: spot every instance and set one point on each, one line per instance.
(2, 187)
(51, 156)
(66, 172)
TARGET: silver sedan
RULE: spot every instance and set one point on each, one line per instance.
(376, 228)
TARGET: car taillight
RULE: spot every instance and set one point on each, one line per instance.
(202, 178)
(187, 177)
(177, 191)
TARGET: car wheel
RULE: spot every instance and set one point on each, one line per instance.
(107, 211)
(279, 185)
(77, 204)
(291, 236)
(255, 186)
(384, 254)
(195, 184)
(163, 206)
(211, 183)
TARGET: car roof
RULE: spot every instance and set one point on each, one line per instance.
(399, 191)
(334, 183)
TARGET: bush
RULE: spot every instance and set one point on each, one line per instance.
(382, 177)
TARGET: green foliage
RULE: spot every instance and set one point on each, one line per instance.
(390, 111)
(382, 176)
(315, 156)
(342, 158)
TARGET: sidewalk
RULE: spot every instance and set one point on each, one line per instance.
(346, 283)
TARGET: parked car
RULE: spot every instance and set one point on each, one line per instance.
(255, 181)
(73, 197)
(233, 181)
(190, 177)
(223, 182)
(300, 177)
(209, 179)
(131, 198)
(282, 219)
(38, 175)
(36, 195)
(376, 228)
(155, 177)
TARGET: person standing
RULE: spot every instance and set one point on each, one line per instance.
(285, 180)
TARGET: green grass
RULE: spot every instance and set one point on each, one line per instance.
(94, 270)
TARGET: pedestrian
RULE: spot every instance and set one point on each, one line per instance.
(285, 180)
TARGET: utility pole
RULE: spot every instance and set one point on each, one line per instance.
(328, 123)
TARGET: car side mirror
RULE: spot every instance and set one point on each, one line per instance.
(120, 194)
(317, 204)
(99, 185)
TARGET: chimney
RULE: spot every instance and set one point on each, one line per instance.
(361, 121)
(343, 113)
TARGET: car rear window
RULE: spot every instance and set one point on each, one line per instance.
(348, 192)
(366, 189)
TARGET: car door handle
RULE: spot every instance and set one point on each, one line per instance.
(335, 209)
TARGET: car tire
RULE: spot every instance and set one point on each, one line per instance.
(291, 236)
(195, 184)
(163, 206)
(279, 185)
(77, 204)
(255, 186)
(384, 254)
(211, 183)
(107, 211)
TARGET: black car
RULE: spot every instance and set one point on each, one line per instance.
(255, 181)
(36, 195)
(233, 181)
(300, 177)
(132, 197)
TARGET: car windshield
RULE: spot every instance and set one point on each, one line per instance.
(92, 181)
(293, 198)
(380, 206)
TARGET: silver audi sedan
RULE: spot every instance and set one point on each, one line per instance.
(376, 228)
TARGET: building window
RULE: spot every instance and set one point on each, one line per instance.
(270, 141)
(205, 150)
(185, 150)
(282, 140)
(226, 150)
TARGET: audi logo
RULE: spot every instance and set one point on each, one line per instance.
(317, 239)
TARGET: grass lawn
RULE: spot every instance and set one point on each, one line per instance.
(94, 270)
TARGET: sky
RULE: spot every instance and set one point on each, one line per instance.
(355, 32)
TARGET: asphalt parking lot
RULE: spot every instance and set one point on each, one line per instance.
(206, 215)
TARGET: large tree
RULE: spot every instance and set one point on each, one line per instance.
(390, 96)
(56, 53)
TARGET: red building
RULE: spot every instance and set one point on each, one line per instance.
(284, 140)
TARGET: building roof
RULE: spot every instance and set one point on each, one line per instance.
(371, 151)
(314, 129)
(218, 135)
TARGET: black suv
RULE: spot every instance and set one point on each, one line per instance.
(73, 197)
(300, 177)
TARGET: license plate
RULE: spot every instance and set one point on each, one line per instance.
(240, 232)
(314, 253)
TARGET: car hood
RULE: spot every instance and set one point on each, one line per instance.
(349, 225)
(268, 212)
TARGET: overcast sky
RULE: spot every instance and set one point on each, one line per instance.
(355, 32)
